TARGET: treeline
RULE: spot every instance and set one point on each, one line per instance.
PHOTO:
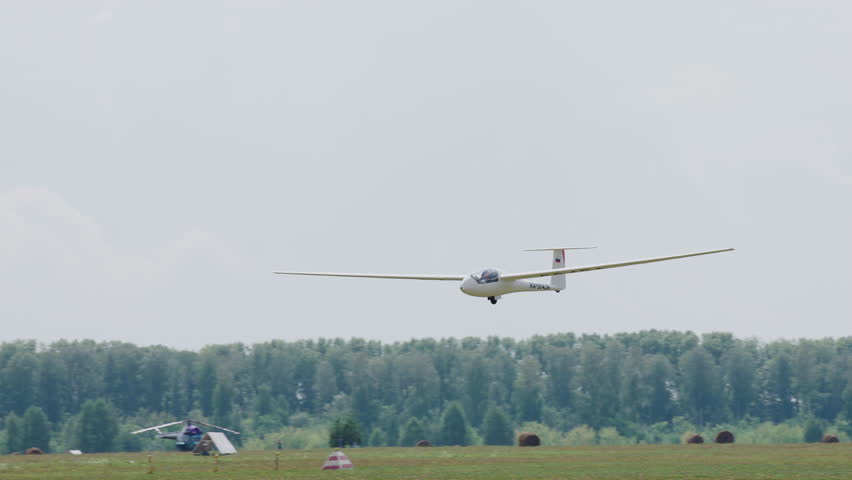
(628, 382)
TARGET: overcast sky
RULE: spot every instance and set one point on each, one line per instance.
(158, 160)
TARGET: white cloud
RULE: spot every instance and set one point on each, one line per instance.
(103, 16)
(40, 231)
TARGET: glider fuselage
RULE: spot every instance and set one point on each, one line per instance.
(476, 286)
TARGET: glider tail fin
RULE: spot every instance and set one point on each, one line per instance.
(557, 282)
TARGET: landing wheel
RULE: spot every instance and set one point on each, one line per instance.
(492, 300)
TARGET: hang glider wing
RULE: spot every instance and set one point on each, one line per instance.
(217, 426)
(157, 428)
(558, 248)
(560, 271)
(378, 275)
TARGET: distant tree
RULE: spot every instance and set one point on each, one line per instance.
(806, 373)
(344, 431)
(454, 426)
(127, 442)
(610, 436)
(304, 374)
(51, 383)
(153, 376)
(223, 401)
(377, 438)
(263, 401)
(634, 391)
(97, 427)
(561, 365)
(420, 384)
(591, 391)
(779, 389)
(717, 344)
(36, 429)
(527, 396)
(832, 382)
(699, 384)
(658, 376)
(335, 434)
(476, 381)
(351, 431)
(739, 373)
(14, 433)
(365, 405)
(611, 377)
(412, 433)
(503, 373)
(389, 424)
(19, 381)
(269, 413)
(847, 401)
(178, 395)
(206, 384)
(629, 381)
(325, 384)
(84, 368)
(813, 431)
(497, 428)
(123, 387)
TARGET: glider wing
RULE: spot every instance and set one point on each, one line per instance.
(560, 271)
(378, 275)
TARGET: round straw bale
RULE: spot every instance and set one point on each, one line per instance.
(830, 439)
(528, 440)
(423, 443)
(695, 439)
(34, 451)
(724, 437)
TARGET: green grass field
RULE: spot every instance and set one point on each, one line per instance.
(803, 461)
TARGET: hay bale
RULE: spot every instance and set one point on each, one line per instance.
(830, 439)
(724, 437)
(695, 440)
(528, 440)
(423, 443)
(34, 451)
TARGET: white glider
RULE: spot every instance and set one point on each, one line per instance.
(492, 283)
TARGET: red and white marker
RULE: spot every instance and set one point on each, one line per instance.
(336, 461)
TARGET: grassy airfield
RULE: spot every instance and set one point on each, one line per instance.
(811, 461)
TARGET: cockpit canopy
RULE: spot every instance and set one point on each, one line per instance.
(489, 275)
